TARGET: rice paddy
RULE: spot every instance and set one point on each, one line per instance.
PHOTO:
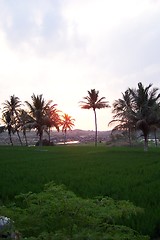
(119, 172)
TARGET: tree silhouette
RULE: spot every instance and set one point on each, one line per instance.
(123, 115)
(12, 107)
(52, 119)
(145, 105)
(24, 119)
(38, 110)
(92, 101)
(138, 109)
(67, 124)
(6, 118)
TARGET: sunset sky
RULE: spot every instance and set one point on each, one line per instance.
(63, 48)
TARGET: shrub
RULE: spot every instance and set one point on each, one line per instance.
(56, 213)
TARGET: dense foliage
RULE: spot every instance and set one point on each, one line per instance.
(56, 213)
(138, 109)
(41, 115)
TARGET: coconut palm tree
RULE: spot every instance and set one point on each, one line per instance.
(138, 109)
(52, 119)
(145, 105)
(67, 124)
(39, 111)
(92, 101)
(24, 119)
(123, 115)
(6, 118)
(12, 107)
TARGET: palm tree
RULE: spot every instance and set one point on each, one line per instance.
(52, 119)
(92, 101)
(123, 114)
(24, 119)
(138, 109)
(6, 118)
(145, 105)
(39, 111)
(67, 124)
(11, 107)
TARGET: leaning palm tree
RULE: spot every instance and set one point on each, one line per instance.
(12, 108)
(67, 124)
(92, 101)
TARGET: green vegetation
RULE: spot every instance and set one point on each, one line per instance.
(138, 110)
(118, 172)
(60, 214)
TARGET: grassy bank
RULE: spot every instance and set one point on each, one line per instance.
(121, 173)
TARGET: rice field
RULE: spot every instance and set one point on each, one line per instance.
(119, 172)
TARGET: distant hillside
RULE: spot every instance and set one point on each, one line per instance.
(72, 135)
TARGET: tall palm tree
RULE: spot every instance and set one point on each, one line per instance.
(92, 101)
(12, 107)
(67, 124)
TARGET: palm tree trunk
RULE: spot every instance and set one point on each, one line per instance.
(9, 133)
(17, 115)
(144, 127)
(129, 136)
(40, 139)
(19, 137)
(155, 137)
(65, 136)
(49, 135)
(96, 134)
(25, 136)
(146, 143)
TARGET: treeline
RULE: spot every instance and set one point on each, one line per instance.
(39, 114)
(137, 109)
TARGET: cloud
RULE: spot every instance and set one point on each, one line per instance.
(41, 27)
(64, 48)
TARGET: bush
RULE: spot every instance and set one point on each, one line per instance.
(59, 214)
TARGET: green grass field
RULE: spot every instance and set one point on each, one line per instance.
(118, 172)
